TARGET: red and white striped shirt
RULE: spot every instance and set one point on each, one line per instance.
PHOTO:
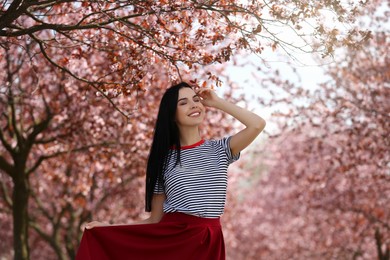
(198, 185)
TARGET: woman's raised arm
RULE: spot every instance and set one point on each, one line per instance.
(254, 124)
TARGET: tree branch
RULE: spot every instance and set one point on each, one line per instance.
(11, 104)
(6, 197)
(16, 9)
(80, 149)
(40, 206)
(38, 229)
(61, 27)
(6, 166)
(76, 77)
(6, 145)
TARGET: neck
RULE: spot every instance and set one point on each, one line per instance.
(189, 135)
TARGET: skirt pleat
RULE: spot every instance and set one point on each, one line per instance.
(176, 236)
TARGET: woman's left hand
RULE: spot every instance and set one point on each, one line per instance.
(208, 97)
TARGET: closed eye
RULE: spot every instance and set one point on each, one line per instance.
(184, 101)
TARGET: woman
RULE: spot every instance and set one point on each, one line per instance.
(186, 181)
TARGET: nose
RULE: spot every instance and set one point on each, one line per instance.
(193, 104)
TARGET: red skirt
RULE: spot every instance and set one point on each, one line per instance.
(176, 236)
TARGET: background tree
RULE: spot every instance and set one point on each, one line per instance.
(130, 36)
(56, 54)
(324, 192)
(84, 160)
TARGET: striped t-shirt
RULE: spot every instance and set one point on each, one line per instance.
(198, 185)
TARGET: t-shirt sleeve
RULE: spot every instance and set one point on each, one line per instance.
(159, 187)
(226, 147)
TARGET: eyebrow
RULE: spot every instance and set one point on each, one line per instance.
(187, 98)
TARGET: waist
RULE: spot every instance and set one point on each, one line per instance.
(189, 219)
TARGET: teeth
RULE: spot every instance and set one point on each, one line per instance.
(195, 114)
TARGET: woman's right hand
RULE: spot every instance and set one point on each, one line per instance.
(95, 224)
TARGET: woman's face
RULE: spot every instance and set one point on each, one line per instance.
(190, 111)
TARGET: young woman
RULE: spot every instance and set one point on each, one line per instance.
(186, 182)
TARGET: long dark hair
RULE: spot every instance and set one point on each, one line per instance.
(166, 135)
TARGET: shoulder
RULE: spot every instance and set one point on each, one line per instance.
(222, 146)
(219, 142)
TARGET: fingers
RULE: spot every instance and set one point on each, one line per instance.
(204, 90)
(205, 93)
(89, 225)
(93, 224)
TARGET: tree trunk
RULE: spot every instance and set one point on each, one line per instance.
(378, 239)
(20, 198)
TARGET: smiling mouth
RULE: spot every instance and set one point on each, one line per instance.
(195, 114)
